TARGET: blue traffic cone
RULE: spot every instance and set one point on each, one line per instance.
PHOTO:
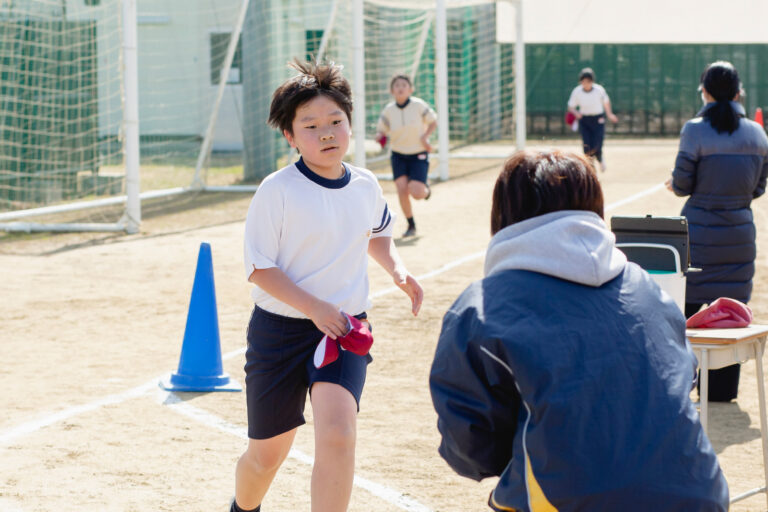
(200, 366)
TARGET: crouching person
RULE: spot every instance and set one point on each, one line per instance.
(566, 371)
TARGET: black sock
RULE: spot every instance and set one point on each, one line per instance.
(235, 508)
(411, 223)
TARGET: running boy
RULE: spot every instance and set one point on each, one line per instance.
(308, 233)
(590, 104)
(408, 122)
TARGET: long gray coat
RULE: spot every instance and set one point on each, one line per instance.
(721, 173)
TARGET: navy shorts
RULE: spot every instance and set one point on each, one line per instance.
(279, 369)
(416, 167)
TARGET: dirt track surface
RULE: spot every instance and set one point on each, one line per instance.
(91, 321)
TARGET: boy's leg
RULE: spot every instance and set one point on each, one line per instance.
(335, 417)
(405, 204)
(599, 137)
(257, 468)
(417, 189)
(401, 183)
(418, 174)
(584, 131)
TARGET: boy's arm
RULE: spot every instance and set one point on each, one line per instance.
(609, 111)
(325, 315)
(427, 133)
(383, 250)
(572, 106)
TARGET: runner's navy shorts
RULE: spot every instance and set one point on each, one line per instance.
(279, 370)
(416, 167)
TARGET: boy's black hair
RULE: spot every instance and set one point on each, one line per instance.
(400, 76)
(314, 79)
(586, 73)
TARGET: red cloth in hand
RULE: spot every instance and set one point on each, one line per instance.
(382, 140)
(358, 340)
(722, 313)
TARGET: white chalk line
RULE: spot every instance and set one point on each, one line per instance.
(635, 197)
(387, 494)
(10, 436)
(13, 434)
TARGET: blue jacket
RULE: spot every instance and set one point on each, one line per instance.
(721, 173)
(566, 372)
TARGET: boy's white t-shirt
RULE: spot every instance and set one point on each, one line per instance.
(317, 231)
(590, 103)
(405, 125)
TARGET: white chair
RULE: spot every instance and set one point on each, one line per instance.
(662, 262)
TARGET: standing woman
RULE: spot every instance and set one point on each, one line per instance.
(590, 104)
(722, 165)
(408, 122)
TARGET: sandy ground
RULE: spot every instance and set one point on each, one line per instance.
(89, 323)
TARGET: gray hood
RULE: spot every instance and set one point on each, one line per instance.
(572, 245)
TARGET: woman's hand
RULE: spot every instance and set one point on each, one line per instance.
(668, 184)
(411, 287)
(328, 319)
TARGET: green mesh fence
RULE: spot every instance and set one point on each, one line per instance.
(47, 111)
(653, 87)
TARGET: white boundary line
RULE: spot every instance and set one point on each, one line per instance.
(11, 435)
(380, 491)
(634, 197)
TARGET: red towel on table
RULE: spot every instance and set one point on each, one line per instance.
(722, 313)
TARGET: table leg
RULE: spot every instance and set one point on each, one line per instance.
(704, 388)
(759, 348)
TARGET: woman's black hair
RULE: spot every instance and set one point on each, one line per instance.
(721, 81)
(534, 183)
(586, 73)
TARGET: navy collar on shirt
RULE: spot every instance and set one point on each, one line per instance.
(324, 182)
(404, 104)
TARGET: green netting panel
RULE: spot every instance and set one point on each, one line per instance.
(48, 108)
(653, 88)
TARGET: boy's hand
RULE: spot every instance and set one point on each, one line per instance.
(328, 319)
(411, 287)
(426, 144)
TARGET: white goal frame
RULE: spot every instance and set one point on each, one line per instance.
(131, 219)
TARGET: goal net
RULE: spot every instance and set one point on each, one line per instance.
(205, 71)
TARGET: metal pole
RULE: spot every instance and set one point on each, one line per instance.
(358, 93)
(520, 118)
(132, 216)
(205, 149)
(422, 42)
(441, 71)
(327, 31)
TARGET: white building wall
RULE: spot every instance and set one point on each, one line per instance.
(633, 21)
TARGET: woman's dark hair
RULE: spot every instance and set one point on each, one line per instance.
(721, 81)
(314, 79)
(586, 73)
(399, 77)
(534, 183)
